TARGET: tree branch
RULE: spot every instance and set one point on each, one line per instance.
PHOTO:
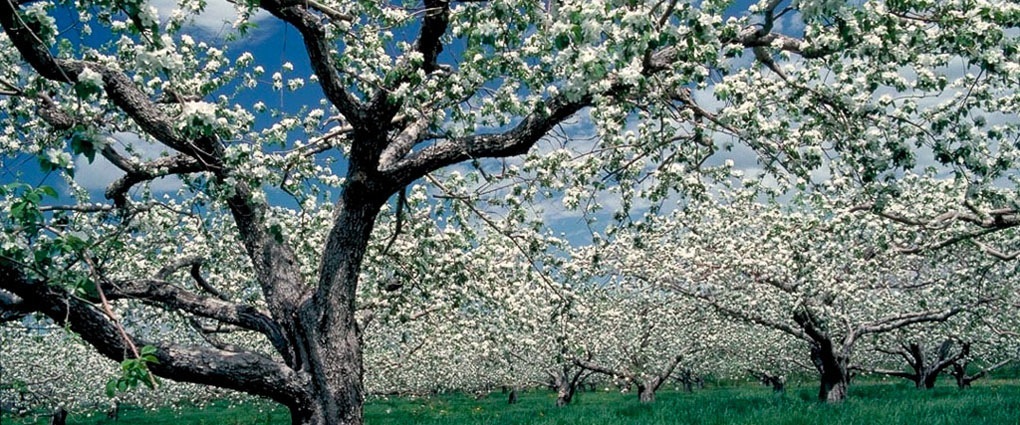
(138, 173)
(898, 321)
(660, 379)
(118, 87)
(429, 44)
(603, 370)
(516, 141)
(242, 371)
(320, 53)
(177, 298)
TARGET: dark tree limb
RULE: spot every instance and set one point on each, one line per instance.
(120, 89)
(242, 371)
(173, 297)
(296, 13)
(429, 44)
(516, 141)
(162, 167)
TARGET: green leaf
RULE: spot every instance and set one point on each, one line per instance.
(148, 350)
(81, 143)
(111, 388)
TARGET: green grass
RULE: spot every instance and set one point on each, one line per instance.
(993, 402)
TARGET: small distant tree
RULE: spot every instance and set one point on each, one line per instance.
(925, 364)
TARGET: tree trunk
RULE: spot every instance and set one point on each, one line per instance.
(834, 391)
(329, 339)
(59, 417)
(564, 391)
(336, 387)
(928, 379)
(833, 372)
(960, 373)
(646, 393)
(777, 382)
(566, 379)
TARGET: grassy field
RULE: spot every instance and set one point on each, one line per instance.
(880, 403)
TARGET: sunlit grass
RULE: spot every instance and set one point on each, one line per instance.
(993, 402)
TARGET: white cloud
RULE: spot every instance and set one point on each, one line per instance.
(217, 18)
(100, 173)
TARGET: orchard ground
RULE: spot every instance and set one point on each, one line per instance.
(990, 402)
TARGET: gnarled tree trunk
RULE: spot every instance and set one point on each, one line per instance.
(833, 373)
(566, 379)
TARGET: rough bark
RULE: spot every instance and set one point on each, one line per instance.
(833, 373)
(645, 393)
(564, 395)
(566, 379)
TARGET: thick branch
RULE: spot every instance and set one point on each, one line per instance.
(604, 370)
(320, 53)
(245, 371)
(118, 87)
(901, 320)
(659, 380)
(429, 44)
(176, 298)
(277, 268)
(517, 141)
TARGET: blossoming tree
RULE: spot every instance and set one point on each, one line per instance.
(405, 90)
(814, 269)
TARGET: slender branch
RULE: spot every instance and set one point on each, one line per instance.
(398, 225)
(138, 173)
(169, 269)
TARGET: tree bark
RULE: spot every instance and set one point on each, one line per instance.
(564, 389)
(330, 331)
(833, 372)
(646, 393)
(566, 379)
(59, 416)
(564, 395)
